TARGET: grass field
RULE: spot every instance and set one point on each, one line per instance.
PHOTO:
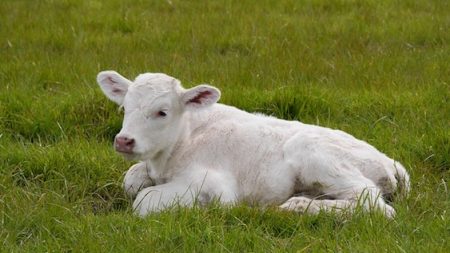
(379, 70)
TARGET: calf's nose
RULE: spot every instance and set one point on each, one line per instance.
(124, 144)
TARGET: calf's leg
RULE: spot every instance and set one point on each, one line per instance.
(303, 204)
(348, 193)
(328, 165)
(136, 179)
(159, 197)
(198, 186)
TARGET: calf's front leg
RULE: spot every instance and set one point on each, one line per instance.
(136, 179)
(198, 186)
(159, 197)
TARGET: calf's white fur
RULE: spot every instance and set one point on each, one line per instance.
(192, 149)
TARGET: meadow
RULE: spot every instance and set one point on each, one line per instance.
(379, 70)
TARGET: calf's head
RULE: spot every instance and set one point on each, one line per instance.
(154, 106)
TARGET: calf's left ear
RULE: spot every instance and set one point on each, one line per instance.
(200, 96)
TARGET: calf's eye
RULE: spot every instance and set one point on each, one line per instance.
(162, 114)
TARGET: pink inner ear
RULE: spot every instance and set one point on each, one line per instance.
(112, 81)
(197, 99)
(115, 90)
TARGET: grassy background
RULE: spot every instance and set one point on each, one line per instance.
(376, 69)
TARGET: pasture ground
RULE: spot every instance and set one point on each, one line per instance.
(376, 69)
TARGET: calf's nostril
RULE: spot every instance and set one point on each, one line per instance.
(129, 142)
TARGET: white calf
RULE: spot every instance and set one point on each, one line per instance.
(194, 149)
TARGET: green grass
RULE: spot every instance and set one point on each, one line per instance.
(379, 70)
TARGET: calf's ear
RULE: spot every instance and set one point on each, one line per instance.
(200, 96)
(113, 85)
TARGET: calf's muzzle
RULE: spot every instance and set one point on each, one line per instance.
(124, 144)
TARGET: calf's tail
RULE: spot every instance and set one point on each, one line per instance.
(403, 182)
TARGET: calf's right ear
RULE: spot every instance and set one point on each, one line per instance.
(113, 85)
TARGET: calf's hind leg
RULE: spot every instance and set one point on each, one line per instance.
(322, 165)
(348, 192)
(303, 204)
